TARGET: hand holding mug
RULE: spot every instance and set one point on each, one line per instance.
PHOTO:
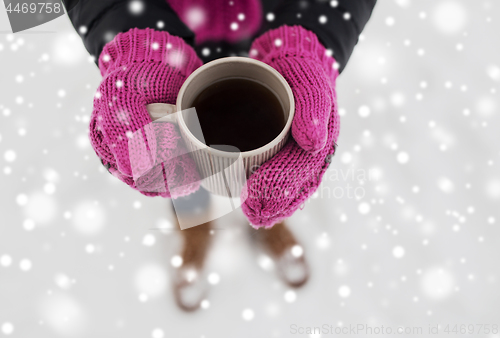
(140, 67)
(282, 184)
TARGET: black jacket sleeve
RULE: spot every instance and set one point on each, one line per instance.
(98, 21)
(337, 23)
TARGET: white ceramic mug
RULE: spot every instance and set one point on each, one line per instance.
(225, 173)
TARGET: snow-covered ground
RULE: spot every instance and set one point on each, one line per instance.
(419, 147)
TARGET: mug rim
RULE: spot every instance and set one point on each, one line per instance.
(244, 154)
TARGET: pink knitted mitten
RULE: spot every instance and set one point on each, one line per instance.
(282, 184)
(140, 67)
(229, 20)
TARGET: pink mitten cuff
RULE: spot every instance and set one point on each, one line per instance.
(293, 41)
(148, 45)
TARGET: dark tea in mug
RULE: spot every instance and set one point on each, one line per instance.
(239, 112)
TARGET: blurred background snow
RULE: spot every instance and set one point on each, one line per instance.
(403, 232)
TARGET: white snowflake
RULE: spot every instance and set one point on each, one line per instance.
(136, 7)
(248, 314)
(344, 291)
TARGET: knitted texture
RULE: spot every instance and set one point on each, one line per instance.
(216, 20)
(308, 68)
(140, 67)
(281, 185)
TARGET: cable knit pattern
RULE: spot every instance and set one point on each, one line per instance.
(142, 67)
(216, 20)
(282, 184)
(308, 68)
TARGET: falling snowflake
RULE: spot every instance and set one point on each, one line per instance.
(136, 7)
(449, 17)
(344, 291)
(157, 333)
(248, 314)
(195, 17)
(398, 251)
(234, 26)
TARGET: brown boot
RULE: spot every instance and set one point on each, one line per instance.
(288, 254)
(190, 286)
